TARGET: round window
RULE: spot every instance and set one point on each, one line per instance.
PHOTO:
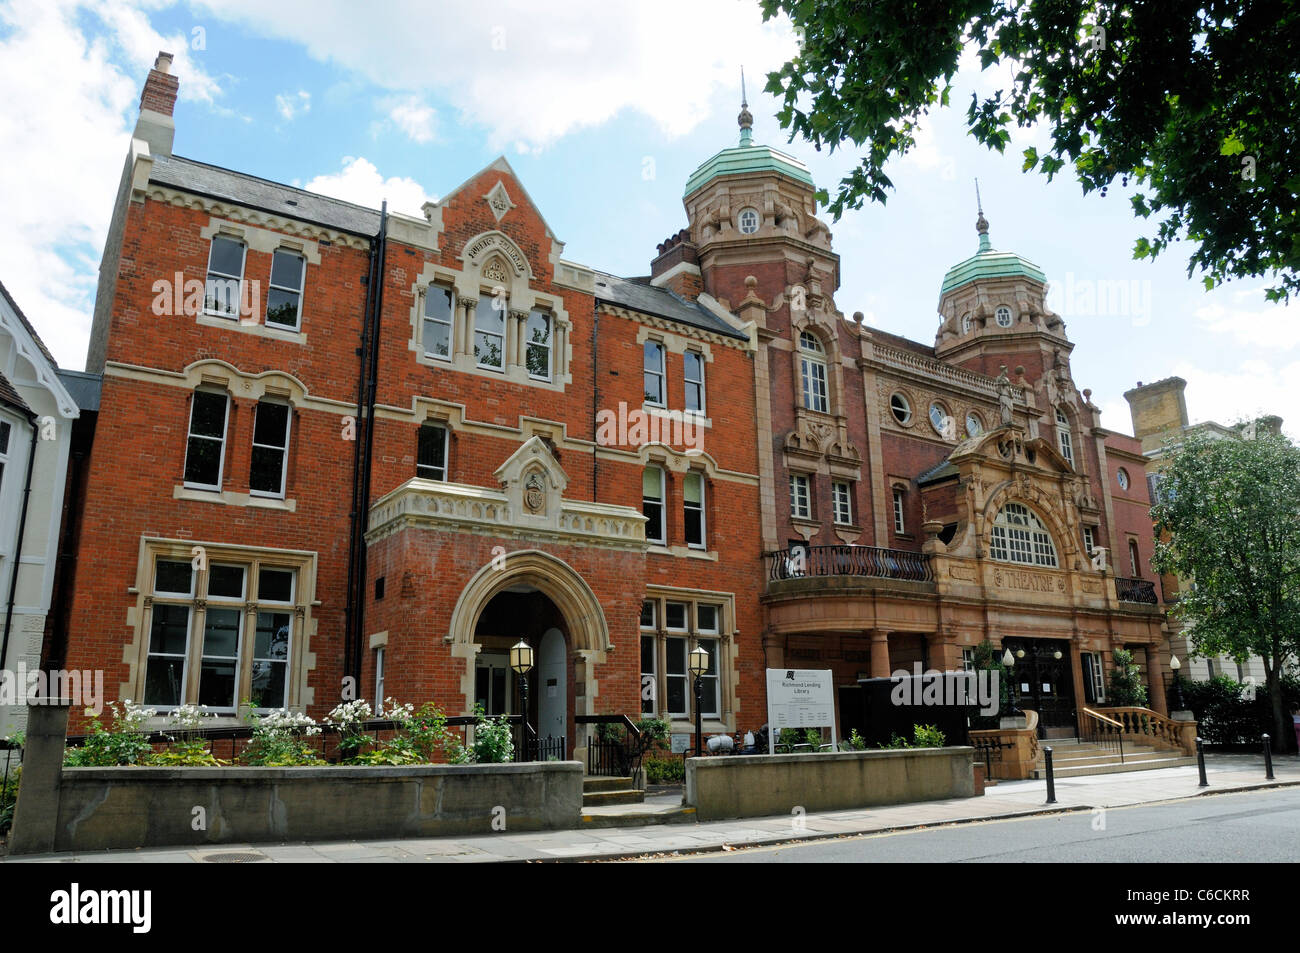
(974, 426)
(1003, 316)
(1122, 477)
(748, 221)
(940, 421)
(965, 323)
(901, 409)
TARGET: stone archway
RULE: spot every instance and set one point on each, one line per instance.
(564, 586)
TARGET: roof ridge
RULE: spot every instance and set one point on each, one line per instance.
(279, 185)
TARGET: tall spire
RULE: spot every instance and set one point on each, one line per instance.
(981, 223)
(745, 119)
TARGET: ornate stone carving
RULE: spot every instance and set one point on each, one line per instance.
(498, 200)
(494, 270)
(535, 493)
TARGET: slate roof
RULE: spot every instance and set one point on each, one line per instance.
(9, 395)
(82, 387)
(638, 294)
(250, 191)
(938, 473)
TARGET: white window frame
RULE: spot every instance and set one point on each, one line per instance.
(662, 538)
(379, 678)
(800, 497)
(943, 415)
(907, 408)
(900, 511)
(688, 507)
(842, 502)
(1064, 437)
(1135, 558)
(1122, 478)
(1025, 543)
(449, 323)
(284, 460)
(446, 452)
(696, 383)
(500, 336)
(530, 345)
(221, 452)
(813, 374)
(979, 424)
(1089, 541)
(740, 221)
(661, 374)
(199, 598)
(298, 292)
(966, 323)
(222, 276)
(1004, 312)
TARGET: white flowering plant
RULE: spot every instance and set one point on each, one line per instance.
(280, 740)
(125, 743)
(187, 749)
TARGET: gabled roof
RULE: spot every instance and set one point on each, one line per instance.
(502, 164)
(36, 338)
(9, 395)
(250, 191)
(640, 295)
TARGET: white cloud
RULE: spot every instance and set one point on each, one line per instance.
(360, 182)
(289, 105)
(1251, 389)
(415, 118)
(1256, 321)
(531, 73)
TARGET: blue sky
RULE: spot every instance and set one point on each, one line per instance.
(604, 109)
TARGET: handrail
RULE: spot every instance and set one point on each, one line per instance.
(1101, 717)
(1135, 720)
(623, 720)
(848, 560)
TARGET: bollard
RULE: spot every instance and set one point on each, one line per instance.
(1268, 760)
(1200, 763)
(1051, 782)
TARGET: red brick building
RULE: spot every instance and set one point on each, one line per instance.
(558, 455)
(611, 469)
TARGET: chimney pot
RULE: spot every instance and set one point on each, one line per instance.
(163, 63)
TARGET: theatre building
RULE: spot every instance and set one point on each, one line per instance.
(920, 498)
(340, 446)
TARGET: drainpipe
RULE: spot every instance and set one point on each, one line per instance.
(595, 395)
(353, 664)
(22, 528)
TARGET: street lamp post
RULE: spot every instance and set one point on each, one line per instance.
(521, 661)
(1009, 661)
(699, 665)
(1174, 666)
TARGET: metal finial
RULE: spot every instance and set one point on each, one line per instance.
(745, 120)
(981, 223)
(978, 202)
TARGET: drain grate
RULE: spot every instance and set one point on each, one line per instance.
(233, 857)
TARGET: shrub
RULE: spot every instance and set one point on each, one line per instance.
(125, 743)
(1227, 714)
(665, 770)
(280, 740)
(493, 743)
(928, 736)
(9, 798)
(1126, 688)
(854, 742)
(186, 748)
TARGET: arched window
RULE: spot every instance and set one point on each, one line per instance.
(1020, 537)
(1063, 438)
(812, 367)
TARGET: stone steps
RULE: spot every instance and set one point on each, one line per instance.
(597, 791)
(1072, 757)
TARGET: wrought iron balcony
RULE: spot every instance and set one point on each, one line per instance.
(802, 562)
(1135, 590)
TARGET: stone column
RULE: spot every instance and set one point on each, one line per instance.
(879, 653)
(465, 339)
(36, 815)
(516, 337)
(1155, 679)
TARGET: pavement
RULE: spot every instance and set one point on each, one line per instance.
(674, 834)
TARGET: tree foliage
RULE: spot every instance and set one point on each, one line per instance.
(1228, 514)
(1196, 103)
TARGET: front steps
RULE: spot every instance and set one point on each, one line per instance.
(1073, 758)
(600, 791)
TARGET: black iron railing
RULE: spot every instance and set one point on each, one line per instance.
(990, 749)
(1135, 590)
(612, 748)
(873, 561)
(1102, 731)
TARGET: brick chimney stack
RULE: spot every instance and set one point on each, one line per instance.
(157, 102)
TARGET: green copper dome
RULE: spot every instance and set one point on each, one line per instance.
(748, 157)
(989, 263)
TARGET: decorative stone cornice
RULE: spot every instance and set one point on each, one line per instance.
(248, 216)
(931, 368)
(421, 503)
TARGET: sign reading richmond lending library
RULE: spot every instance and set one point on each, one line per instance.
(799, 698)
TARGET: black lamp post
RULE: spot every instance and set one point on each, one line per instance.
(1009, 662)
(699, 665)
(1174, 666)
(521, 660)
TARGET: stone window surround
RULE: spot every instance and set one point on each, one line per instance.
(897, 485)
(832, 358)
(728, 661)
(265, 241)
(679, 345)
(212, 376)
(302, 660)
(467, 284)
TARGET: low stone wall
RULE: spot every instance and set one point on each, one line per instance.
(761, 785)
(84, 809)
